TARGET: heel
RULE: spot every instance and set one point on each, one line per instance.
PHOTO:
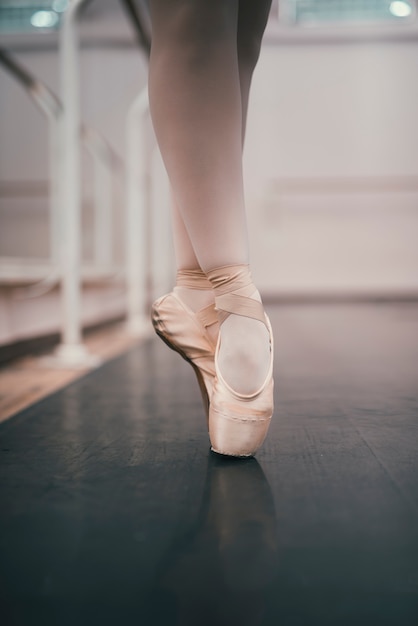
(185, 332)
(205, 383)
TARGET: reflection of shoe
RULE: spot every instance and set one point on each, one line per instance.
(185, 331)
(241, 513)
(220, 571)
(238, 423)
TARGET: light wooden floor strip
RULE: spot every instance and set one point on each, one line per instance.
(27, 380)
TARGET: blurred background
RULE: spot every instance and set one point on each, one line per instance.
(331, 158)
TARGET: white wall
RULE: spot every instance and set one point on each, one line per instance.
(340, 121)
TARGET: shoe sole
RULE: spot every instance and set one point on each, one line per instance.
(200, 379)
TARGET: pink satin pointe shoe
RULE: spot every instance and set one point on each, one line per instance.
(186, 332)
(238, 423)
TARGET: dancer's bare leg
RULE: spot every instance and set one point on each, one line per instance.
(195, 95)
(186, 259)
(252, 20)
(196, 109)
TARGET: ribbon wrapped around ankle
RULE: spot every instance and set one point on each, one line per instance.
(192, 279)
(233, 288)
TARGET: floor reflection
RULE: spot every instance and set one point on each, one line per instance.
(220, 571)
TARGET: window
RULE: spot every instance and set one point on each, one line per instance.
(322, 12)
(17, 16)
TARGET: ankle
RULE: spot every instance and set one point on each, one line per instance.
(194, 279)
(229, 278)
(235, 292)
(193, 288)
(195, 299)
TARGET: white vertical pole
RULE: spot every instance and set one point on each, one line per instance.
(136, 214)
(71, 351)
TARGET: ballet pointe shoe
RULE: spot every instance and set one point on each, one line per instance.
(185, 331)
(238, 423)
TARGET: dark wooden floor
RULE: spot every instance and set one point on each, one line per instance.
(113, 510)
